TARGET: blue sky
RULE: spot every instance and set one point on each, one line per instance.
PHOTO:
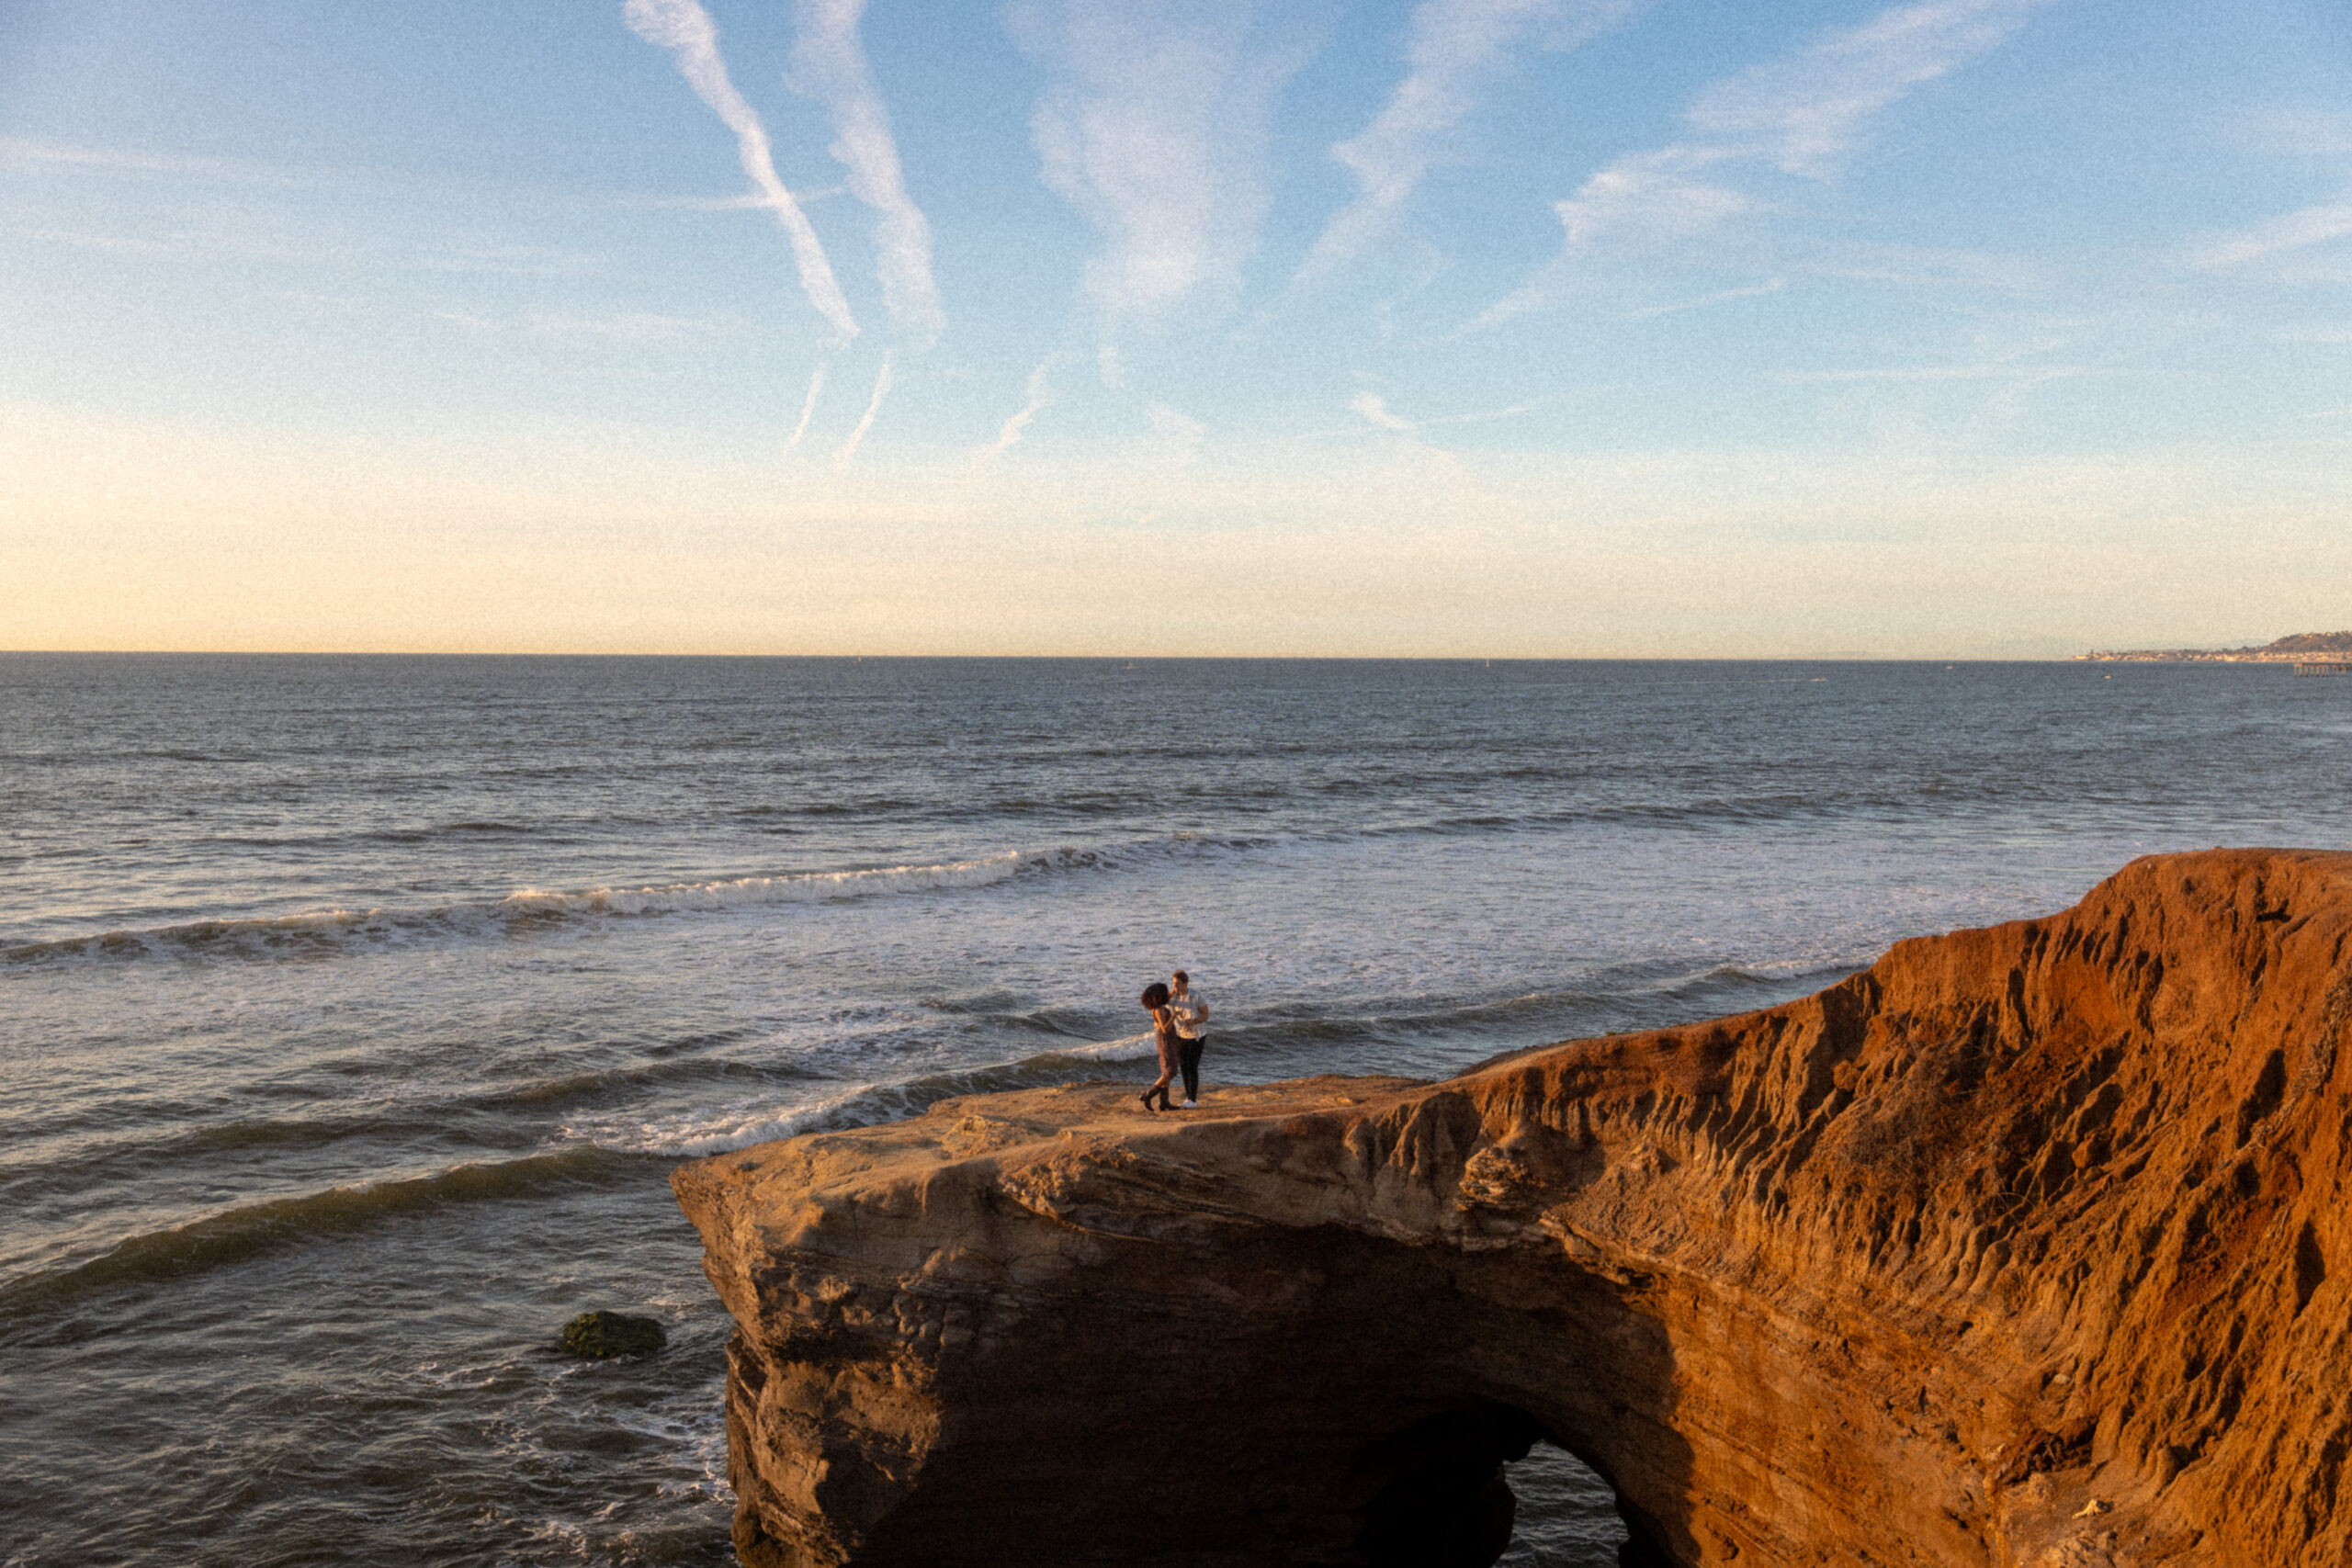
(1964, 327)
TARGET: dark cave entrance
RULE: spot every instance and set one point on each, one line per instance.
(1487, 1484)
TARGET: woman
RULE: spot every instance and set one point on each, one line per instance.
(1155, 999)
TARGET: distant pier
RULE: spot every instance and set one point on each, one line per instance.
(2323, 666)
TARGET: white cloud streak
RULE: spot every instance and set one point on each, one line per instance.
(807, 406)
(1173, 426)
(1154, 128)
(2287, 232)
(2002, 371)
(140, 160)
(1374, 409)
(1650, 198)
(1457, 50)
(1808, 111)
(828, 64)
(1801, 115)
(685, 30)
(1483, 416)
(1040, 393)
(873, 408)
(1721, 297)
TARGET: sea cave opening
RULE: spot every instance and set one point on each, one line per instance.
(1487, 1485)
(1567, 1515)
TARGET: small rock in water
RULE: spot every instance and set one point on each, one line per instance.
(604, 1334)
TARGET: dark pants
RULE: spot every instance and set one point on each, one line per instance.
(1187, 1058)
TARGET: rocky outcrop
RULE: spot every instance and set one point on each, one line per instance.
(600, 1336)
(2027, 1246)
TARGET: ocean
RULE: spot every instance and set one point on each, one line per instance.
(355, 1010)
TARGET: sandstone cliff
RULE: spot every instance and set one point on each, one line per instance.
(2027, 1246)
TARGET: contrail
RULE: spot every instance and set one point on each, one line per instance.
(849, 447)
(816, 383)
(830, 65)
(685, 28)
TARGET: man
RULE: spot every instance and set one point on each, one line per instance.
(1192, 1033)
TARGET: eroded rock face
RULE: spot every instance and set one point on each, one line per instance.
(2027, 1246)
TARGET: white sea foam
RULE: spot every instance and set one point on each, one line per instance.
(1135, 1047)
(809, 888)
(312, 931)
(717, 1131)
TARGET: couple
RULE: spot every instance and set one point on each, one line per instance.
(1181, 1021)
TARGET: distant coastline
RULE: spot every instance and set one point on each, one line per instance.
(2286, 651)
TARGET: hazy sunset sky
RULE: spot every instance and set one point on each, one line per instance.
(1476, 327)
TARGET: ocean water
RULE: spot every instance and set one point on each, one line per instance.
(354, 1011)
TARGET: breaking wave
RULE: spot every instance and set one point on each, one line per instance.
(332, 932)
(710, 1131)
(326, 933)
(234, 1234)
(335, 932)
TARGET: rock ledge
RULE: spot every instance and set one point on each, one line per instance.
(2026, 1247)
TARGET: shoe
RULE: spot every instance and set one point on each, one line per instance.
(1146, 1100)
(1190, 1105)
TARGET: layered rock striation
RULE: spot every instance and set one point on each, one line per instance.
(2025, 1246)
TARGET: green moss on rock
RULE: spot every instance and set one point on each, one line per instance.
(600, 1334)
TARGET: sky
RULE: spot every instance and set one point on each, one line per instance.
(1463, 328)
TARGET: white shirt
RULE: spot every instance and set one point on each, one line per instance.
(1190, 1012)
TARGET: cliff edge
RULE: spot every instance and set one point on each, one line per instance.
(2025, 1246)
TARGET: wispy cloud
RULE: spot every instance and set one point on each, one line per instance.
(230, 231)
(807, 406)
(2289, 231)
(1995, 372)
(1040, 393)
(1154, 128)
(1374, 409)
(1176, 428)
(504, 258)
(1649, 198)
(1808, 111)
(1457, 50)
(1484, 416)
(873, 408)
(1721, 297)
(637, 329)
(1801, 115)
(685, 30)
(745, 201)
(1915, 267)
(147, 161)
(828, 64)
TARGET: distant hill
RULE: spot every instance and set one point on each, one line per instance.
(2313, 642)
(2303, 644)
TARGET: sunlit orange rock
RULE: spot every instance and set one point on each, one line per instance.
(2027, 1246)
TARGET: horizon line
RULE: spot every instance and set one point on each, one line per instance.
(1846, 657)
